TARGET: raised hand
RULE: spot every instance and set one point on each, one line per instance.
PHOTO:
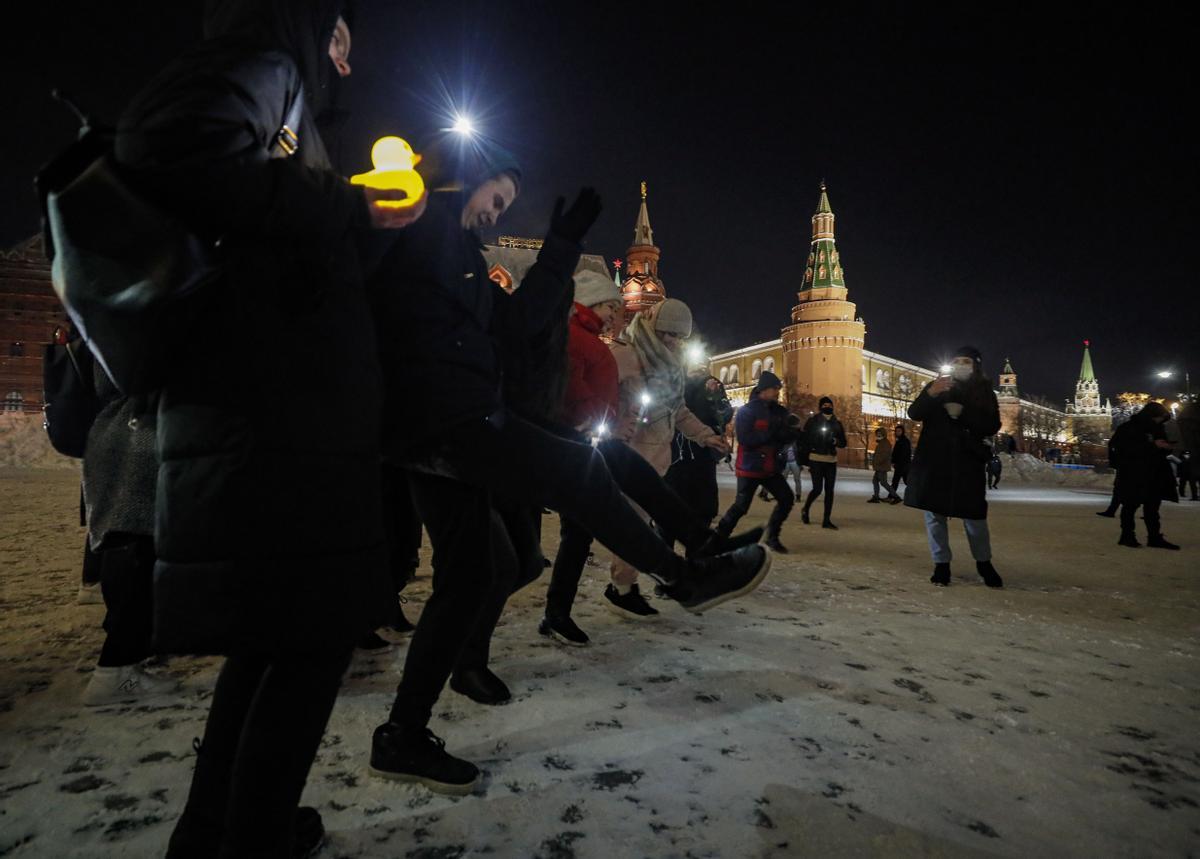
(574, 223)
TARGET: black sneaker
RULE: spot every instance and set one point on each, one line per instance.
(373, 643)
(774, 545)
(717, 544)
(563, 629)
(804, 517)
(1129, 540)
(308, 832)
(895, 499)
(1107, 514)
(418, 755)
(1158, 541)
(829, 525)
(873, 500)
(712, 581)
(941, 575)
(481, 685)
(631, 605)
(989, 575)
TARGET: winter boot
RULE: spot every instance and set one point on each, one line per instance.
(1160, 542)
(829, 524)
(874, 499)
(1128, 538)
(410, 754)
(772, 543)
(804, 516)
(562, 629)
(989, 575)
(708, 582)
(941, 575)
(631, 606)
(480, 685)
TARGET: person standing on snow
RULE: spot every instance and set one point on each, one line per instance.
(958, 412)
(1145, 480)
(901, 457)
(823, 436)
(763, 427)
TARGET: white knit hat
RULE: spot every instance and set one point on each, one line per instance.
(592, 288)
(674, 317)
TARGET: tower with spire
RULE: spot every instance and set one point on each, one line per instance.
(823, 347)
(642, 287)
(1091, 422)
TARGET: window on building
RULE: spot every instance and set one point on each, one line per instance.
(755, 369)
(14, 402)
(733, 374)
(723, 375)
(769, 365)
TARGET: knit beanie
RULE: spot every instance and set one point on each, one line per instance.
(972, 353)
(823, 401)
(673, 317)
(767, 380)
(592, 288)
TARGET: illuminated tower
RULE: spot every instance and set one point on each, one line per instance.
(642, 287)
(1091, 423)
(823, 347)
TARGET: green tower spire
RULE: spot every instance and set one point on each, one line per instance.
(1086, 373)
(824, 267)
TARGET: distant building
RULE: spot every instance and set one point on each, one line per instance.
(30, 313)
(510, 259)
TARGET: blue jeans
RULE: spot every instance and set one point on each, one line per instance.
(939, 538)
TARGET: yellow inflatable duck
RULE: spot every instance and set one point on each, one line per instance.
(394, 161)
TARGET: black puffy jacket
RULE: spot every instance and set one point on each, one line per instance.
(268, 524)
(1143, 472)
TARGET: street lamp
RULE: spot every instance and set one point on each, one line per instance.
(463, 125)
(1187, 381)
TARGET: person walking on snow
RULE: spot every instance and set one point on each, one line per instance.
(763, 427)
(994, 467)
(823, 436)
(901, 458)
(1140, 447)
(957, 413)
(881, 462)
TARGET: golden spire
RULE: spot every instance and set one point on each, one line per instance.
(643, 189)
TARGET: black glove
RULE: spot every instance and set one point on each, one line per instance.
(577, 220)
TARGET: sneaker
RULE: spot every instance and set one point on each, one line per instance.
(717, 544)
(895, 499)
(1129, 540)
(712, 581)
(774, 545)
(89, 594)
(419, 756)
(1108, 514)
(123, 683)
(632, 605)
(1160, 542)
(829, 525)
(481, 686)
(564, 630)
(373, 642)
(941, 575)
(989, 575)
(873, 500)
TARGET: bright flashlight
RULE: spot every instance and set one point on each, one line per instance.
(946, 368)
(602, 429)
(646, 399)
(695, 353)
(464, 126)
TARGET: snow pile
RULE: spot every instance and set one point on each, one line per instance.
(1027, 468)
(24, 444)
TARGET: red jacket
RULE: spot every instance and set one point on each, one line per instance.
(592, 384)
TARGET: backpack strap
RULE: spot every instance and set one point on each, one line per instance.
(287, 139)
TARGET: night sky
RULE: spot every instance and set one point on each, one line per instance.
(1020, 181)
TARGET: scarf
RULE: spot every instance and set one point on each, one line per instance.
(662, 372)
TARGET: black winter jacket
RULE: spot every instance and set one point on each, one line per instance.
(713, 408)
(1143, 472)
(947, 474)
(823, 435)
(901, 453)
(268, 524)
(441, 320)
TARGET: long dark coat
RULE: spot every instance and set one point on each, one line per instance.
(269, 524)
(1144, 474)
(947, 475)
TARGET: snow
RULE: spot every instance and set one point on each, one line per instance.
(845, 708)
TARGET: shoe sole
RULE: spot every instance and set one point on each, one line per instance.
(629, 615)
(768, 557)
(432, 784)
(562, 639)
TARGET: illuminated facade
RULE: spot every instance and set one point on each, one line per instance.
(29, 314)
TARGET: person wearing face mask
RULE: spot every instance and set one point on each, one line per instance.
(1139, 448)
(651, 372)
(823, 436)
(958, 413)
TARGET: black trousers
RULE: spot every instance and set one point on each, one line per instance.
(695, 481)
(777, 485)
(824, 476)
(127, 585)
(92, 564)
(1150, 509)
(1185, 482)
(899, 473)
(1114, 502)
(265, 723)
(639, 480)
(993, 480)
(402, 527)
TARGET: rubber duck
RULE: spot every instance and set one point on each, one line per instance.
(394, 161)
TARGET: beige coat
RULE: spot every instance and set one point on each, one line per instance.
(652, 436)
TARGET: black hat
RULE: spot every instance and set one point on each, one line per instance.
(970, 352)
(823, 401)
(767, 380)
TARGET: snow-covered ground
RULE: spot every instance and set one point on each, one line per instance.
(846, 708)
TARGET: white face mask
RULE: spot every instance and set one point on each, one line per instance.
(961, 372)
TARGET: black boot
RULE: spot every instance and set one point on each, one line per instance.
(1109, 513)
(829, 524)
(941, 575)
(1160, 542)
(772, 543)
(411, 754)
(708, 582)
(804, 516)
(989, 575)
(1128, 538)
(562, 628)
(480, 685)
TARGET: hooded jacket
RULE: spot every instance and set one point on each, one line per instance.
(592, 389)
(947, 474)
(761, 428)
(268, 522)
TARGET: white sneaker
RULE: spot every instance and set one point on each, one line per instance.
(114, 685)
(90, 594)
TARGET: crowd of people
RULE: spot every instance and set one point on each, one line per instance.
(223, 519)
